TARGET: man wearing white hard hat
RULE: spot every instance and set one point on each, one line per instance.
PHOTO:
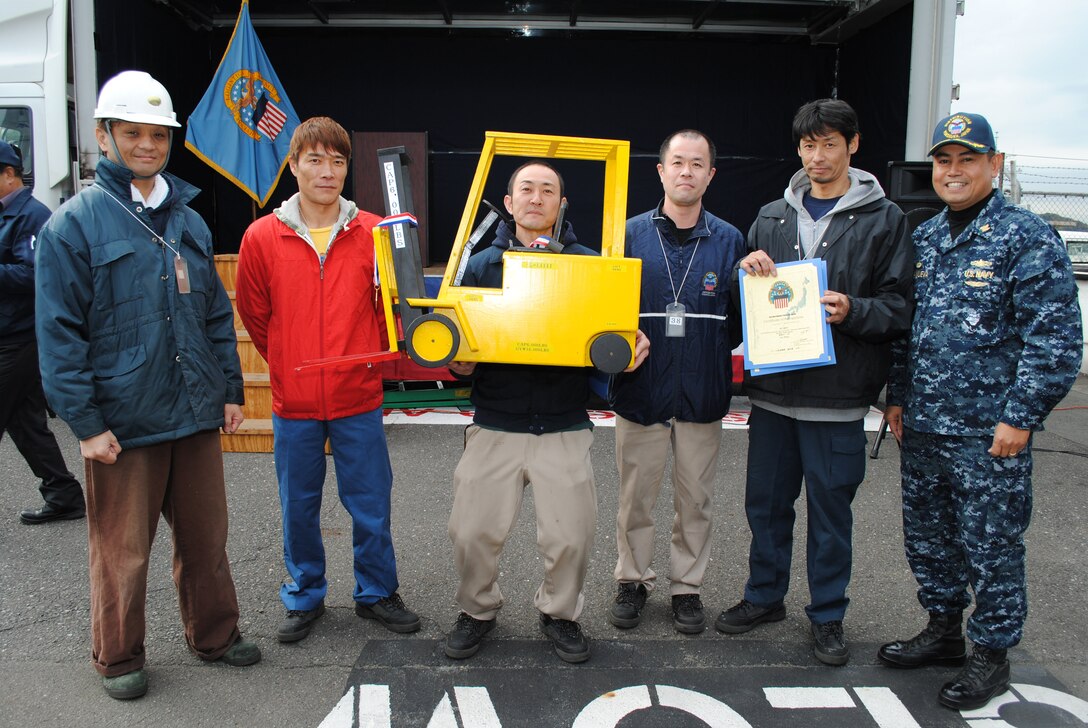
(138, 355)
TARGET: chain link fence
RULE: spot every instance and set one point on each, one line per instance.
(1056, 190)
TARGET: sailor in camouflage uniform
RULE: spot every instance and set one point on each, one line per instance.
(995, 345)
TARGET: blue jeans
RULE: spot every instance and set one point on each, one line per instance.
(364, 480)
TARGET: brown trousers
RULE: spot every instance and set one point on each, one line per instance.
(183, 480)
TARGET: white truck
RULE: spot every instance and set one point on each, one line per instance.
(48, 85)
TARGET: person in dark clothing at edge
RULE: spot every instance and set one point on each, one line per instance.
(530, 426)
(22, 402)
(809, 424)
(677, 398)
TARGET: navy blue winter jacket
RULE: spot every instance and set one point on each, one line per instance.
(20, 223)
(689, 377)
(120, 348)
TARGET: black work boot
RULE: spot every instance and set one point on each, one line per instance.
(985, 675)
(298, 623)
(940, 643)
(829, 643)
(626, 611)
(745, 615)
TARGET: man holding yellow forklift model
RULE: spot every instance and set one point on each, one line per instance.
(530, 426)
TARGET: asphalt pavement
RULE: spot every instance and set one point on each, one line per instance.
(352, 672)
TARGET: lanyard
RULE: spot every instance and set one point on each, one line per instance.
(676, 293)
(161, 239)
(181, 266)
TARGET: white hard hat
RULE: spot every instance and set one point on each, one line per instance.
(137, 97)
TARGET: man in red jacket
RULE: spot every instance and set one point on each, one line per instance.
(306, 290)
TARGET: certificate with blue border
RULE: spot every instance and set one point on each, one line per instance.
(784, 323)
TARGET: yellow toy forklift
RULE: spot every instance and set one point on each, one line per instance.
(561, 310)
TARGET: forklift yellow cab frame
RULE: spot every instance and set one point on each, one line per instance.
(552, 309)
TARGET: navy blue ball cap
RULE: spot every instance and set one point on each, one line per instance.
(970, 130)
(9, 156)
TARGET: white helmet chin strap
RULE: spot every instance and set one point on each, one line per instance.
(121, 159)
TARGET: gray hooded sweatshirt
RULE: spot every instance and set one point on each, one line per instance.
(864, 188)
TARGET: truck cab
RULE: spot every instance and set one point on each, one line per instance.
(40, 71)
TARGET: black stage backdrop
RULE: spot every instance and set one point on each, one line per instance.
(456, 86)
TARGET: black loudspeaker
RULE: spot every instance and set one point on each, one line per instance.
(910, 185)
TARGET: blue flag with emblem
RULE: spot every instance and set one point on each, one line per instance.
(243, 125)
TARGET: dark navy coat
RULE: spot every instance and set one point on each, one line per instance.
(688, 378)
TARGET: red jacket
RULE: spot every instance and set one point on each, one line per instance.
(297, 308)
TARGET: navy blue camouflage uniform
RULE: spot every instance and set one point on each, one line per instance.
(996, 337)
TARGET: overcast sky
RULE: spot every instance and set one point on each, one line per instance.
(1023, 65)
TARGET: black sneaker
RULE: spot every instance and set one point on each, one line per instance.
(468, 632)
(391, 612)
(985, 676)
(570, 644)
(745, 615)
(830, 644)
(687, 613)
(626, 611)
(298, 623)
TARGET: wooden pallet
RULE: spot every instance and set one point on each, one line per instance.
(255, 434)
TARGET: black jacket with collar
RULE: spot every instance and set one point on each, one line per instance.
(869, 257)
(522, 397)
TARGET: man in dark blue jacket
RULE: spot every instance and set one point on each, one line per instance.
(139, 357)
(676, 400)
(22, 403)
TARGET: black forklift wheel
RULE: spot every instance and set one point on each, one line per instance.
(610, 353)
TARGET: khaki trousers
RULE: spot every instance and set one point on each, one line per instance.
(488, 486)
(183, 481)
(641, 454)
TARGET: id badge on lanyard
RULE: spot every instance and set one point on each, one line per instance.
(181, 273)
(674, 319)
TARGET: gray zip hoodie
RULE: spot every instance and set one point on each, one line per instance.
(288, 213)
(864, 188)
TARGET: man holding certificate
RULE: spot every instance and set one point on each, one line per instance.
(807, 421)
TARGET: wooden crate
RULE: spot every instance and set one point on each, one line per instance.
(238, 325)
(252, 361)
(253, 436)
(227, 266)
(258, 396)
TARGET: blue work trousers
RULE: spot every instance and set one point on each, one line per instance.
(364, 480)
(830, 457)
